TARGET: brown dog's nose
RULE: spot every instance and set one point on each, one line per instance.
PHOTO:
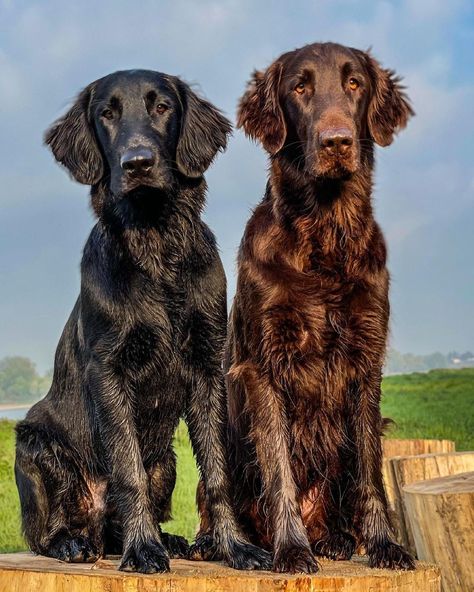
(137, 160)
(336, 140)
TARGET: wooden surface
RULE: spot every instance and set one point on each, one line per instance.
(441, 515)
(405, 447)
(24, 572)
(409, 469)
(402, 447)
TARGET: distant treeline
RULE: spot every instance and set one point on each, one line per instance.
(20, 382)
(398, 363)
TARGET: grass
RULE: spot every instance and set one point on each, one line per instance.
(185, 518)
(438, 404)
(10, 536)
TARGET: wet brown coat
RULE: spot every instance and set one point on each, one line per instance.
(309, 323)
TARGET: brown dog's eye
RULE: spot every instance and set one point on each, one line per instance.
(108, 114)
(300, 88)
(353, 84)
(161, 108)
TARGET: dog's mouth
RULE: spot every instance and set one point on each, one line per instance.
(335, 167)
(337, 171)
(131, 186)
(150, 194)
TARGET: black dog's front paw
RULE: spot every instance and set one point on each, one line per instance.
(338, 546)
(73, 550)
(389, 555)
(295, 560)
(177, 546)
(147, 558)
(244, 555)
(204, 548)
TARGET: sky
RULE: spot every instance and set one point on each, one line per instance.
(424, 190)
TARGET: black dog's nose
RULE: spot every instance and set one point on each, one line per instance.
(137, 160)
(336, 140)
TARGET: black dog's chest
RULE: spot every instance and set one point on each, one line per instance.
(158, 329)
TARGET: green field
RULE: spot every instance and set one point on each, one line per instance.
(439, 404)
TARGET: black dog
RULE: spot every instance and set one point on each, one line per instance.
(95, 467)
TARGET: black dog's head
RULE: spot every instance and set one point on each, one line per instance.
(321, 105)
(137, 128)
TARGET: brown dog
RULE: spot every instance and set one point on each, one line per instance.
(309, 321)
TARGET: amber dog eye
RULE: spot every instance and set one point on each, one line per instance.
(108, 114)
(353, 84)
(300, 88)
(161, 108)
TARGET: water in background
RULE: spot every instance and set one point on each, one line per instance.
(13, 413)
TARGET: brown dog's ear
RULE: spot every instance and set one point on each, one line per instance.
(260, 112)
(389, 108)
(204, 131)
(73, 143)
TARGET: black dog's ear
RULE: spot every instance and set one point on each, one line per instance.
(73, 144)
(260, 112)
(389, 108)
(204, 131)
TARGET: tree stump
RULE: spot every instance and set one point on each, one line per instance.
(409, 469)
(23, 572)
(441, 515)
(396, 447)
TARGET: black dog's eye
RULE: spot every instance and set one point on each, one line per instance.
(161, 108)
(353, 83)
(107, 114)
(300, 88)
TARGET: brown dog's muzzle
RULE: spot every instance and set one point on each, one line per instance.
(336, 152)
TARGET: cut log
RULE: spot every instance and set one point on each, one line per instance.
(401, 447)
(441, 515)
(397, 447)
(22, 572)
(409, 469)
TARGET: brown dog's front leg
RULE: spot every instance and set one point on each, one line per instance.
(143, 550)
(372, 510)
(269, 432)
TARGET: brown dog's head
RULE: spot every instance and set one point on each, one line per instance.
(321, 105)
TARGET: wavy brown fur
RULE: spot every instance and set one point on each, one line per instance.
(309, 321)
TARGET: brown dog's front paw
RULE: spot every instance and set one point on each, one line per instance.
(295, 560)
(389, 555)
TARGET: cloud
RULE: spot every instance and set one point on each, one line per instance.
(49, 50)
(12, 85)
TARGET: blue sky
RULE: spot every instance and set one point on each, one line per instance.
(424, 195)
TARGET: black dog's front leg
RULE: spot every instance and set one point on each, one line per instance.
(205, 417)
(372, 511)
(143, 550)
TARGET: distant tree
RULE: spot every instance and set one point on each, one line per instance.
(398, 363)
(436, 360)
(20, 382)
